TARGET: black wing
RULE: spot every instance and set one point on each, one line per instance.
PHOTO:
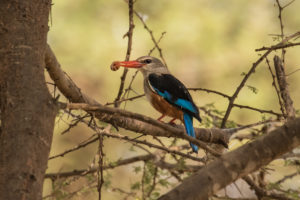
(174, 92)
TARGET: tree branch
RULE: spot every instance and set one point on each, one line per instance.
(252, 70)
(166, 130)
(110, 166)
(128, 52)
(283, 86)
(238, 163)
(239, 88)
(278, 46)
(159, 163)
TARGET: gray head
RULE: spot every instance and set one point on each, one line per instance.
(152, 65)
(146, 64)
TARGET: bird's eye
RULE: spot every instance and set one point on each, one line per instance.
(147, 61)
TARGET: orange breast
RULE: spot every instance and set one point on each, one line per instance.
(164, 107)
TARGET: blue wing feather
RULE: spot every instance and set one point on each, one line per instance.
(188, 123)
(186, 104)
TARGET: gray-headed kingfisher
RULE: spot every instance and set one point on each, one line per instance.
(165, 92)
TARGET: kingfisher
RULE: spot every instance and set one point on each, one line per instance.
(165, 92)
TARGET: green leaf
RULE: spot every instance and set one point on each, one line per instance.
(163, 183)
(137, 169)
(253, 89)
(136, 186)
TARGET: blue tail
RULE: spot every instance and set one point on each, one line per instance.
(188, 123)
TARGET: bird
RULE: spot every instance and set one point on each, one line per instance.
(165, 92)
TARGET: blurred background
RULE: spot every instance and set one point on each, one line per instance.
(208, 44)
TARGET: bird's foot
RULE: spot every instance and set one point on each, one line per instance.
(160, 118)
(172, 123)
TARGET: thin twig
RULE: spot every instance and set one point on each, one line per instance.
(143, 181)
(276, 88)
(280, 9)
(263, 193)
(159, 39)
(94, 169)
(89, 141)
(278, 46)
(127, 91)
(246, 77)
(153, 182)
(106, 133)
(210, 91)
(100, 153)
(234, 130)
(124, 113)
(290, 176)
(129, 99)
(239, 88)
(128, 52)
(152, 37)
(258, 109)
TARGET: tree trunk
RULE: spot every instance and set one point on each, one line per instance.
(27, 110)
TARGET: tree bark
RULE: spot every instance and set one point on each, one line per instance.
(237, 163)
(283, 85)
(27, 109)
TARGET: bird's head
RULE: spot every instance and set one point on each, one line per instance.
(146, 64)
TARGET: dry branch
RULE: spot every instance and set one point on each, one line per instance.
(63, 81)
(105, 132)
(92, 170)
(275, 87)
(251, 71)
(257, 109)
(128, 52)
(239, 88)
(279, 46)
(152, 38)
(260, 192)
(166, 130)
(238, 163)
(159, 163)
(283, 86)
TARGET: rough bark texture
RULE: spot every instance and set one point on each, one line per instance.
(237, 163)
(283, 85)
(27, 111)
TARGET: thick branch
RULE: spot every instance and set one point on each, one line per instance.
(238, 163)
(106, 114)
(63, 81)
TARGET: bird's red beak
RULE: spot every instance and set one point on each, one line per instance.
(128, 64)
